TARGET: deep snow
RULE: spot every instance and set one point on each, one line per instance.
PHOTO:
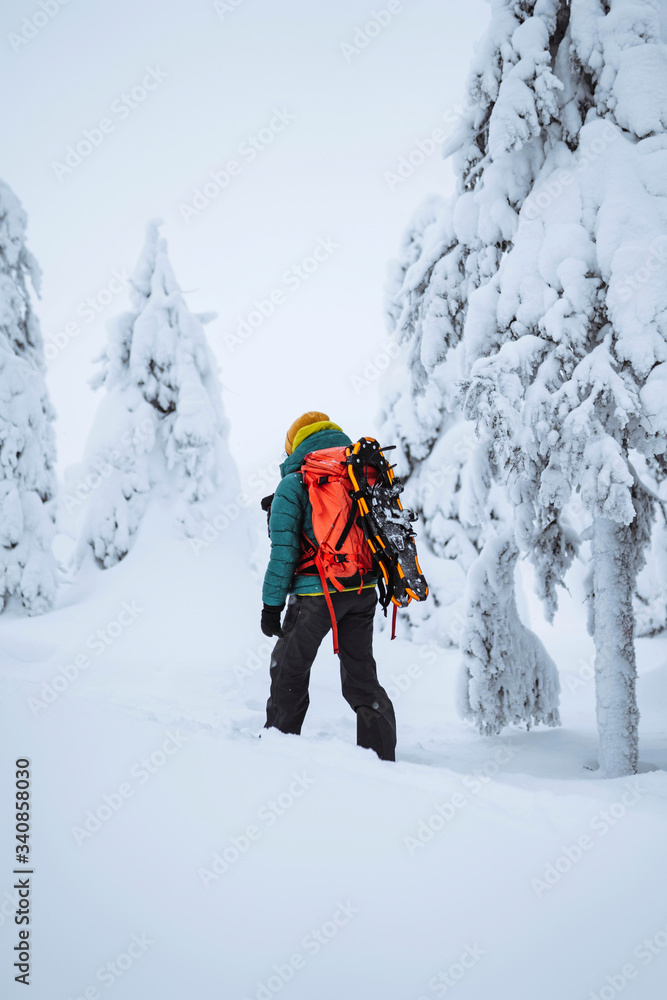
(333, 848)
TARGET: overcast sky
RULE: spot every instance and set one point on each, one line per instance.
(314, 127)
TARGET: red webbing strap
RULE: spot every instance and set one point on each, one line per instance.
(307, 557)
(327, 597)
(393, 621)
(313, 555)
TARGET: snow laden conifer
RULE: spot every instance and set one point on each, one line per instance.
(27, 451)
(160, 432)
(443, 260)
(542, 284)
(565, 346)
(651, 596)
(507, 677)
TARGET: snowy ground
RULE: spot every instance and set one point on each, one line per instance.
(343, 881)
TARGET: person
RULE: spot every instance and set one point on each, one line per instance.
(308, 619)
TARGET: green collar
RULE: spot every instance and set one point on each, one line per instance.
(314, 442)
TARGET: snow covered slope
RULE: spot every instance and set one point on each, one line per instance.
(178, 856)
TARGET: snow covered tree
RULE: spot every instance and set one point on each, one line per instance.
(556, 240)
(508, 676)
(160, 430)
(650, 605)
(565, 365)
(27, 450)
(427, 305)
(651, 597)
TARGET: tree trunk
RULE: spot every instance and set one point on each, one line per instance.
(615, 663)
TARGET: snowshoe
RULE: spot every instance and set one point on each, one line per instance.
(386, 524)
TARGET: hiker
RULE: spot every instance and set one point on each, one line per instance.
(308, 617)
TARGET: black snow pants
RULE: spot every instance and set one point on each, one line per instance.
(306, 623)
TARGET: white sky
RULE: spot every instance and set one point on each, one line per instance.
(323, 176)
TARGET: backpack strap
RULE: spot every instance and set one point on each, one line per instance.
(354, 509)
(327, 596)
(265, 504)
(307, 558)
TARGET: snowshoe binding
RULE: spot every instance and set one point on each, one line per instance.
(386, 524)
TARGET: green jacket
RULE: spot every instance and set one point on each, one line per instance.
(291, 516)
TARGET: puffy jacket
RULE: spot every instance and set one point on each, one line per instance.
(291, 516)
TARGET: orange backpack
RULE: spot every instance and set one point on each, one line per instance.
(360, 527)
(342, 550)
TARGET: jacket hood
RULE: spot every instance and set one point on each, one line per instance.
(328, 438)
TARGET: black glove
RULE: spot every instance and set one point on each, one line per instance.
(271, 620)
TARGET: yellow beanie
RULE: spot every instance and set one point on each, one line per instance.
(304, 426)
